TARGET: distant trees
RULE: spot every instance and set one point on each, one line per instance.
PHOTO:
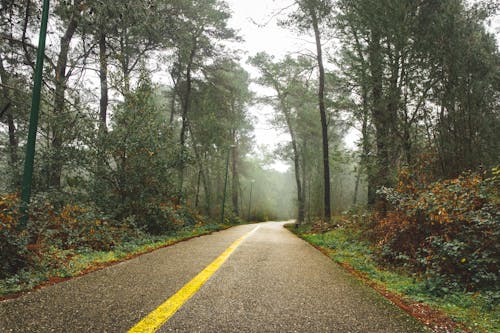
(199, 27)
(289, 80)
(220, 126)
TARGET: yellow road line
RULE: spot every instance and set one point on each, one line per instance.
(161, 314)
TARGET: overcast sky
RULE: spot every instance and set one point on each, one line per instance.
(255, 22)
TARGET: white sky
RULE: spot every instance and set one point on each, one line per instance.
(255, 23)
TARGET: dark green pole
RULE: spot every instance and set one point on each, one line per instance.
(35, 108)
(225, 185)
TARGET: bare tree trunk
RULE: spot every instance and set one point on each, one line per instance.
(103, 114)
(366, 161)
(13, 143)
(208, 195)
(302, 204)
(322, 111)
(382, 120)
(296, 158)
(204, 176)
(197, 196)
(356, 188)
(172, 106)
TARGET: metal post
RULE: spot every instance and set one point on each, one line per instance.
(250, 201)
(35, 108)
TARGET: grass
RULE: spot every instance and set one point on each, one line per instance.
(477, 312)
(60, 265)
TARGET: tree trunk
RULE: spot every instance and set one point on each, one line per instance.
(300, 192)
(296, 157)
(13, 143)
(124, 60)
(204, 177)
(103, 76)
(197, 196)
(356, 188)
(172, 107)
(6, 109)
(302, 203)
(366, 161)
(322, 111)
(235, 177)
(187, 100)
(185, 110)
(208, 195)
(382, 120)
(59, 100)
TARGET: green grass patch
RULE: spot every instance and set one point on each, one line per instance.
(480, 311)
(69, 263)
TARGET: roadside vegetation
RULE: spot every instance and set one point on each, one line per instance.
(436, 245)
(72, 240)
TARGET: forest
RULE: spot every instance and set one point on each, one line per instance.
(145, 131)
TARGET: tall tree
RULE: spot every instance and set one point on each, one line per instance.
(220, 124)
(200, 28)
(309, 16)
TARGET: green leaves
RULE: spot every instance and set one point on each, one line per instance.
(448, 229)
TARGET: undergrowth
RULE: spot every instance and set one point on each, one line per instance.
(66, 240)
(68, 263)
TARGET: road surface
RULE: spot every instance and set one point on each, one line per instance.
(272, 282)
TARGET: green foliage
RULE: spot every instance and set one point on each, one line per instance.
(56, 262)
(50, 231)
(161, 219)
(72, 227)
(447, 229)
(141, 161)
(13, 250)
(57, 233)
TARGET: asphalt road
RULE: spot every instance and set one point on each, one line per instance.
(273, 282)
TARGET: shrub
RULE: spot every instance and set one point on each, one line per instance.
(72, 227)
(13, 244)
(448, 229)
(50, 232)
(164, 218)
